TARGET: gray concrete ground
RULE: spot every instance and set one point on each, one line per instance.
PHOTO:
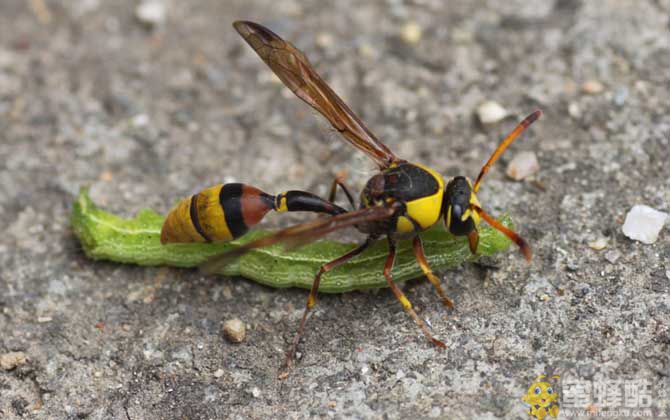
(91, 96)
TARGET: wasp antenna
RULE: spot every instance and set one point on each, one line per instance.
(505, 143)
(521, 243)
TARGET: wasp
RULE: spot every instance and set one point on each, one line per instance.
(400, 201)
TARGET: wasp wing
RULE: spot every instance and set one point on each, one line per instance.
(293, 68)
(304, 233)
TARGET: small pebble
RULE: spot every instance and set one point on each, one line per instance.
(592, 87)
(9, 361)
(106, 176)
(642, 87)
(39, 7)
(227, 292)
(644, 223)
(218, 373)
(140, 120)
(325, 40)
(574, 110)
(151, 12)
(522, 166)
(599, 244)
(411, 32)
(289, 8)
(491, 112)
(234, 330)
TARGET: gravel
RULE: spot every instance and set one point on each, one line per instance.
(491, 112)
(522, 166)
(644, 223)
(234, 330)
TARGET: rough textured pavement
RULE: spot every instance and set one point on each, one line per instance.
(89, 95)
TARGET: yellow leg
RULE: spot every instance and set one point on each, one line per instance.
(406, 304)
(421, 259)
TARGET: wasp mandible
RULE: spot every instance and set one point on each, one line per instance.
(400, 201)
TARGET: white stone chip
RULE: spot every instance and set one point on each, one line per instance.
(491, 112)
(644, 223)
(151, 12)
(574, 110)
(522, 166)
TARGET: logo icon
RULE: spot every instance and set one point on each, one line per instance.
(542, 396)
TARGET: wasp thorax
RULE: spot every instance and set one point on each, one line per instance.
(374, 190)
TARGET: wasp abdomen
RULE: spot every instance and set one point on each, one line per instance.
(219, 213)
(227, 211)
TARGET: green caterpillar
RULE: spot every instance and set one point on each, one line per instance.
(105, 236)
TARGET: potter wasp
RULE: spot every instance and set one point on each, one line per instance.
(398, 202)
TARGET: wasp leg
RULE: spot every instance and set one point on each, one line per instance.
(403, 299)
(339, 180)
(421, 259)
(311, 299)
(473, 241)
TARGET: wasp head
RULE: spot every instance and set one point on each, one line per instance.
(459, 198)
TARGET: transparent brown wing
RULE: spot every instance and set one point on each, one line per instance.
(301, 234)
(293, 68)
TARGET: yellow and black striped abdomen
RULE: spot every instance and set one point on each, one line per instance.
(219, 213)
